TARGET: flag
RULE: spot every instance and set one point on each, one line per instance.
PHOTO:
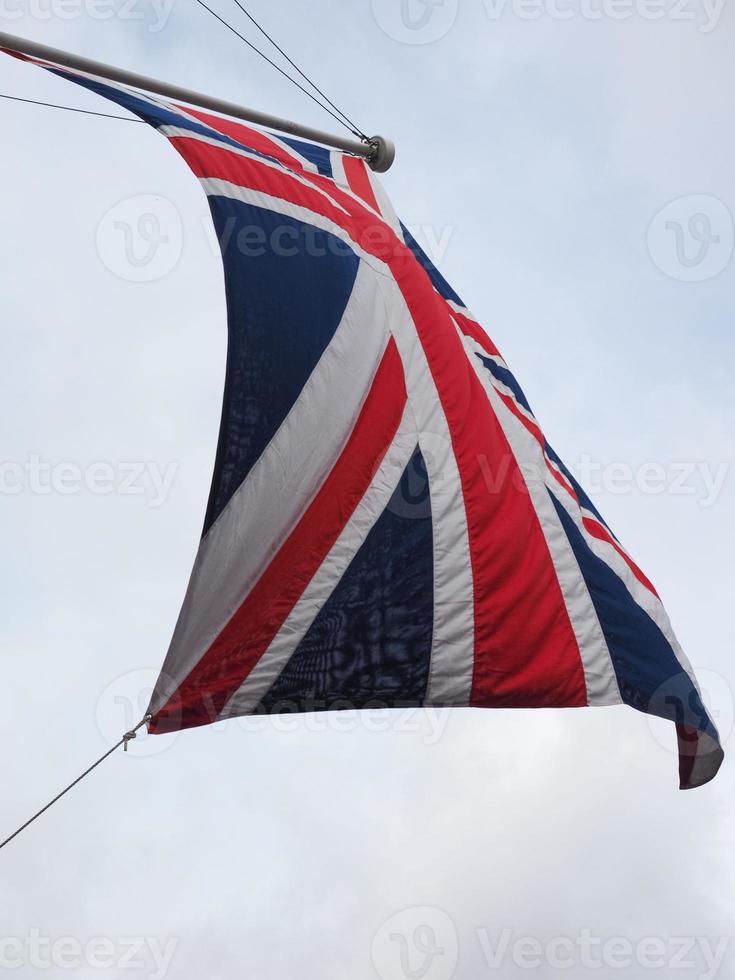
(387, 523)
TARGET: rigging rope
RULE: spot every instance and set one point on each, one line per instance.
(355, 128)
(264, 56)
(70, 108)
(127, 737)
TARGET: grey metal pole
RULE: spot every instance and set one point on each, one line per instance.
(378, 151)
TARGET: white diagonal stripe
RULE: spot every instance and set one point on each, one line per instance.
(261, 678)
(281, 484)
(215, 187)
(453, 637)
(600, 677)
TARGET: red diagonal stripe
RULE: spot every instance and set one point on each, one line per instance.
(237, 649)
(526, 653)
(600, 532)
(471, 328)
(223, 163)
(359, 181)
(254, 139)
(368, 230)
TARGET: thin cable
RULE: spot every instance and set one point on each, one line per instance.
(355, 128)
(127, 737)
(70, 108)
(279, 69)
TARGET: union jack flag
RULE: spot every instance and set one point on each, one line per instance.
(387, 523)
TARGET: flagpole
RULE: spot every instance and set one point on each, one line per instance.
(378, 151)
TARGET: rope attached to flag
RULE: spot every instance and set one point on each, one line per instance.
(127, 737)
(70, 108)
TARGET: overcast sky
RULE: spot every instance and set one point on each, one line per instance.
(569, 163)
